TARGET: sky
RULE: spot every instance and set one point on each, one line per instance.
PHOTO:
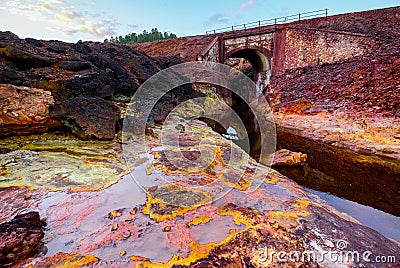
(95, 20)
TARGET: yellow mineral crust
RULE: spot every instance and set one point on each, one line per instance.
(199, 220)
(65, 260)
(58, 163)
(271, 179)
(169, 201)
(288, 219)
(209, 171)
(199, 251)
(236, 180)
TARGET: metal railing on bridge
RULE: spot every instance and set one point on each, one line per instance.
(271, 22)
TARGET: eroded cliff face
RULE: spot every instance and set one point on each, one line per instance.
(345, 115)
(366, 84)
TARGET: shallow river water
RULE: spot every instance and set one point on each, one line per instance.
(383, 222)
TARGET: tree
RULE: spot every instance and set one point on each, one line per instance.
(133, 38)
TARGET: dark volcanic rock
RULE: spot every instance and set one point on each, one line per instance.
(23, 59)
(74, 65)
(72, 70)
(20, 237)
(170, 100)
(88, 117)
(78, 74)
(89, 85)
(35, 42)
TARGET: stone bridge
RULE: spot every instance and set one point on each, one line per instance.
(272, 49)
(257, 48)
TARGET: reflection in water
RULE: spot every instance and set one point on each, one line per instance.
(380, 221)
(231, 134)
(215, 230)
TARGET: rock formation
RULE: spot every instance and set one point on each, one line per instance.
(174, 222)
(285, 157)
(21, 237)
(25, 110)
(73, 70)
(74, 75)
(88, 116)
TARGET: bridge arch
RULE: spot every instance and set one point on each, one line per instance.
(259, 58)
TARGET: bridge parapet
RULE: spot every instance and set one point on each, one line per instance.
(262, 24)
(212, 52)
(264, 41)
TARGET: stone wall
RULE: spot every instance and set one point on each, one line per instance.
(264, 40)
(213, 53)
(301, 47)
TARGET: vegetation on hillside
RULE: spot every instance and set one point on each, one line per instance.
(133, 38)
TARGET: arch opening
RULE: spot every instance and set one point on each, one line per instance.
(258, 60)
(254, 62)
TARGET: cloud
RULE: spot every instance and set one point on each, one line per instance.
(247, 5)
(217, 19)
(133, 26)
(46, 7)
(33, 10)
(64, 31)
(100, 28)
(65, 17)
